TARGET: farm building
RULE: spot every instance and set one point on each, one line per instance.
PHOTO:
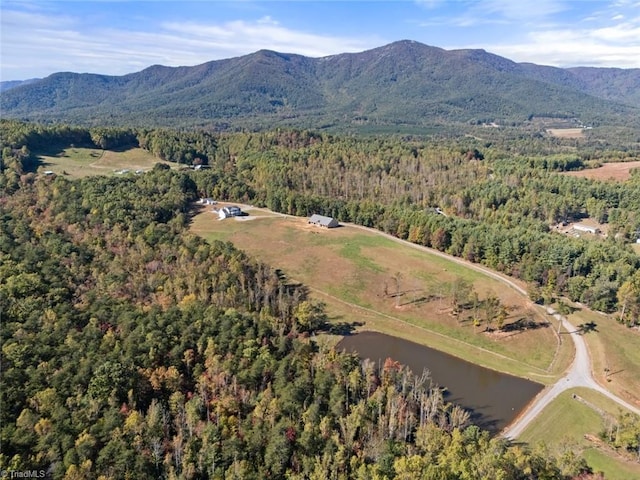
(232, 211)
(581, 227)
(322, 221)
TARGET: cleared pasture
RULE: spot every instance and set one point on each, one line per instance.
(566, 132)
(614, 171)
(82, 162)
(371, 282)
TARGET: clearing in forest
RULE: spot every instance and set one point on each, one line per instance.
(371, 282)
(81, 162)
(566, 132)
(616, 171)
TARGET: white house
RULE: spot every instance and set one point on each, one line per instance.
(322, 221)
(231, 211)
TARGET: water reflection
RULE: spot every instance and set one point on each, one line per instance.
(494, 399)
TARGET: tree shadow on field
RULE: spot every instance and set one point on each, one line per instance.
(193, 210)
(339, 328)
(523, 324)
(587, 328)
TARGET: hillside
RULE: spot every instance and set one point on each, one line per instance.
(133, 349)
(403, 84)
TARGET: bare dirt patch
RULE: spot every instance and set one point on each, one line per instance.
(614, 171)
(586, 227)
(566, 132)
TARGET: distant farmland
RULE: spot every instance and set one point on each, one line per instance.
(616, 171)
(82, 162)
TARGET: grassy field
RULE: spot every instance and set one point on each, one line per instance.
(566, 132)
(614, 347)
(616, 171)
(82, 162)
(374, 283)
(573, 424)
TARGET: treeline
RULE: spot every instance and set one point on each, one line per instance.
(18, 140)
(495, 211)
(489, 203)
(131, 348)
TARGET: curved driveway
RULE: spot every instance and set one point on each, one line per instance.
(578, 374)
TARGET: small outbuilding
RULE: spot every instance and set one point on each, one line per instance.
(322, 221)
(581, 227)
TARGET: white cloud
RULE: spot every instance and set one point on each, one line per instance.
(37, 45)
(615, 46)
(606, 34)
(238, 37)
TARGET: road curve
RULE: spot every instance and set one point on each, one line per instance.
(577, 375)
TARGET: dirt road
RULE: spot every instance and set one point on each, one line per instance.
(578, 374)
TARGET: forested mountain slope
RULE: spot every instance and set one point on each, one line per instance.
(403, 84)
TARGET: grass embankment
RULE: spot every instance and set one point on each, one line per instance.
(569, 423)
(615, 355)
(82, 162)
(373, 283)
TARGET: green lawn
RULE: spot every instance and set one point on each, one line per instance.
(82, 162)
(613, 346)
(566, 421)
(358, 274)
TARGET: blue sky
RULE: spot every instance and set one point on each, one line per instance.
(118, 37)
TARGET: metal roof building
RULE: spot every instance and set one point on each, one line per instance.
(323, 221)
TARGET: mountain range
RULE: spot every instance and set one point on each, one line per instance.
(405, 83)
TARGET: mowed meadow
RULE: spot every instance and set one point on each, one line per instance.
(573, 422)
(79, 162)
(371, 282)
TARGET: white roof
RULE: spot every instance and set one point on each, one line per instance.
(322, 220)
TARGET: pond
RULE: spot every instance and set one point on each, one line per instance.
(494, 399)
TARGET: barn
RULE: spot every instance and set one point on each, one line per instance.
(322, 221)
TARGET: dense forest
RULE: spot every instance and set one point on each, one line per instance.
(490, 202)
(132, 348)
(404, 86)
